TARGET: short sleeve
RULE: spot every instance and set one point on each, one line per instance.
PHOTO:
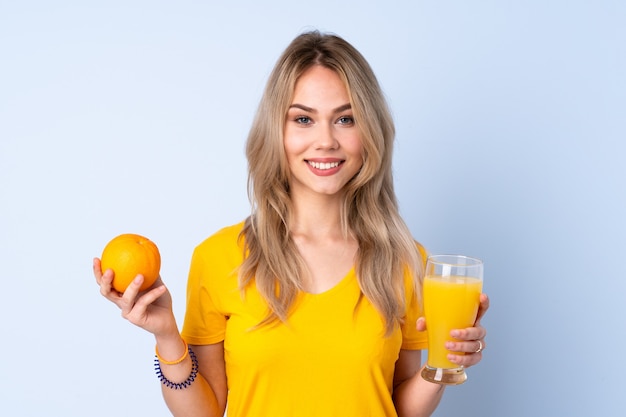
(411, 338)
(211, 284)
(204, 323)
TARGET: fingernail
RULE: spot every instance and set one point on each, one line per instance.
(454, 333)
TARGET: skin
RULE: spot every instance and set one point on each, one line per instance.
(414, 396)
(320, 128)
(152, 311)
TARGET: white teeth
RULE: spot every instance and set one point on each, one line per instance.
(323, 165)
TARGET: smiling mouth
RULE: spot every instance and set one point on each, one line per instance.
(324, 165)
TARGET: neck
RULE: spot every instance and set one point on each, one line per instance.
(317, 215)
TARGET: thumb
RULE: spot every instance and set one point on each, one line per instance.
(420, 325)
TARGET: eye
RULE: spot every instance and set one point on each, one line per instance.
(345, 120)
(303, 120)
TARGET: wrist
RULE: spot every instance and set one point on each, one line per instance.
(171, 347)
(426, 383)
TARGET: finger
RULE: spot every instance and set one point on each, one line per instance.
(150, 297)
(465, 360)
(466, 353)
(130, 295)
(466, 347)
(483, 307)
(106, 286)
(138, 313)
(468, 334)
(158, 282)
(97, 269)
(420, 325)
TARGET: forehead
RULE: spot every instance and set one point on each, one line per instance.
(320, 84)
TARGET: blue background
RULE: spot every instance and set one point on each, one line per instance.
(131, 116)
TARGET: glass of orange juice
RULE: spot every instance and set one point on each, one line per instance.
(452, 287)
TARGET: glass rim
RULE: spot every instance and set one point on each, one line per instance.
(439, 260)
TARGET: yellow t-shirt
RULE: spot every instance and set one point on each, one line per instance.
(327, 360)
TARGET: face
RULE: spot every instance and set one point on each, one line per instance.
(322, 142)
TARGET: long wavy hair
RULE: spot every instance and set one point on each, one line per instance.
(386, 249)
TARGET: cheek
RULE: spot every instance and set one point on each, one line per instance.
(355, 147)
(293, 145)
(288, 146)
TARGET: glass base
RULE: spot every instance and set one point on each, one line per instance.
(454, 376)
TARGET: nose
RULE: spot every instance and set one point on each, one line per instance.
(326, 138)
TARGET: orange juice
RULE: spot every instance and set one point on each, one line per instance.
(450, 302)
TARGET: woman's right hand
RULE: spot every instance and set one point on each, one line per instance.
(151, 309)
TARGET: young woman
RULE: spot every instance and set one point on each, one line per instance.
(311, 306)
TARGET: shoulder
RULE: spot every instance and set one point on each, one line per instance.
(228, 235)
(422, 252)
(413, 276)
(223, 244)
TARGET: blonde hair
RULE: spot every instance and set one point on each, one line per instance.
(370, 213)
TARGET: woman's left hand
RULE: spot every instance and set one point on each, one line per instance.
(469, 342)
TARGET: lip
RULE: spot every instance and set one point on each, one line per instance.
(324, 160)
(324, 172)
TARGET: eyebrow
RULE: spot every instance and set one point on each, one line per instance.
(339, 109)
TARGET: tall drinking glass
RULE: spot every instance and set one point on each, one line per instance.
(452, 287)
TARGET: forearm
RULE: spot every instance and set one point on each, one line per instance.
(416, 397)
(197, 398)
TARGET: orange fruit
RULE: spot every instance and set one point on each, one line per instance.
(129, 255)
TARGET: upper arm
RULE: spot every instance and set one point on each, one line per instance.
(212, 367)
(408, 364)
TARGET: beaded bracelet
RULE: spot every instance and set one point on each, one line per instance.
(178, 385)
(177, 361)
